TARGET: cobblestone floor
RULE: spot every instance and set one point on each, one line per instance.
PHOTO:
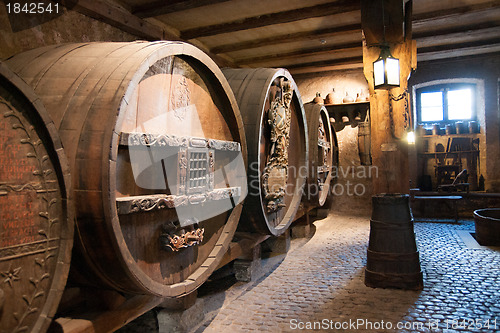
(320, 282)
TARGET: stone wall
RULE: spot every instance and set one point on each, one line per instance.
(19, 32)
(353, 191)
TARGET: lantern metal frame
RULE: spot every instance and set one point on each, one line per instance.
(386, 70)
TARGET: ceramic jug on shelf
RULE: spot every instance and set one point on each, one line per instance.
(347, 98)
(318, 99)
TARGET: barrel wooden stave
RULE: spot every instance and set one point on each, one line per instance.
(254, 89)
(123, 251)
(34, 259)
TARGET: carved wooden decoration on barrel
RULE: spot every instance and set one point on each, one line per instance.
(36, 223)
(157, 152)
(323, 154)
(276, 131)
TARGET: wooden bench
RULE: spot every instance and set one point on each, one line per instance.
(453, 199)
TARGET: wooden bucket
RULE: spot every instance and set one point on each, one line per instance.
(155, 141)
(364, 143)
(277, 150)
(487, 225)
(36, 219)
(393, 259)
(323, 154)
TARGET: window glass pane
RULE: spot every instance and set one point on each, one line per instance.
(431, 106)
(432, 114)
(460, 104)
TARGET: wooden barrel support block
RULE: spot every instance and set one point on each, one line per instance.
(36, 218)
(157, 152)
(323, 154)
(276, 131)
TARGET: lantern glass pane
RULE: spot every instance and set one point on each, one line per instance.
(392, 71)
(378, 72)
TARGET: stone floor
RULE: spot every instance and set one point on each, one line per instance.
(319, 285)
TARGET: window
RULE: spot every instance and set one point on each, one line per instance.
(446, 103)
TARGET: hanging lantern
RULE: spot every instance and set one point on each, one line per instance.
(386, 70)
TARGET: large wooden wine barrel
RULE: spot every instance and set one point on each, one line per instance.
(323, 154)
(276, 131)
(156, 148)
(36, 220)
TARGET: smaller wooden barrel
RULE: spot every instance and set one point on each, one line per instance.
(36, 223)
(393, 259)
(276, 132)
(323, 154)
(487, 223)
(364, 143)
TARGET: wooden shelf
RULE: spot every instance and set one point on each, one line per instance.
(465, 135)
(346, 104)
(450, 152)
(352, 111)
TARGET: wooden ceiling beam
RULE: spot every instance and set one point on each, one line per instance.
(324, 69)
(326, 63)
(162, 7)
(456, 30)
(288, 38)
(464, 54)
(454, 12)
(118, 17)
(487, 45)
(462, 37)
(424, 55)
(331, 8)
(457, 46)
(334, 49)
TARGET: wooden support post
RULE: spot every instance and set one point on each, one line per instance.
(390, 117)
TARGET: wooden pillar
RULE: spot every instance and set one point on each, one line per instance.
(390, 114)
